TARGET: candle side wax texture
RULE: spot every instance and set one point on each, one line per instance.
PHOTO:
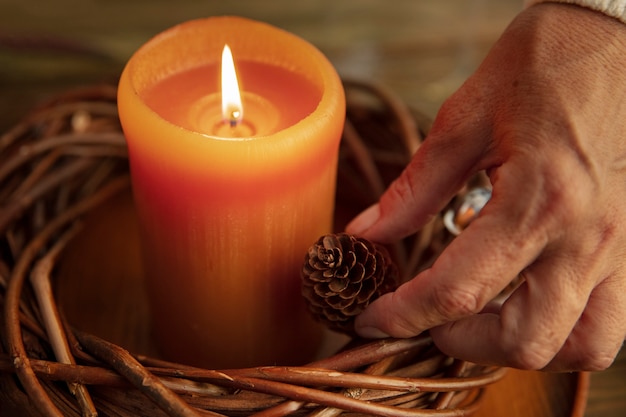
(226, 222)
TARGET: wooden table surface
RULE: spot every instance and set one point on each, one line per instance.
(422, 50)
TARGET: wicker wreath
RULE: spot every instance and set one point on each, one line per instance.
(68, 157)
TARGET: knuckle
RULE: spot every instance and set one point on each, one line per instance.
(402, 328)
(401, 325)
(599, 363)
(530, 356)
(453, 302)
(565, 203)
(402, 191)
(597, 358)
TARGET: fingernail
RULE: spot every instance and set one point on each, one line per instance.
(371, 333)
(364, 221)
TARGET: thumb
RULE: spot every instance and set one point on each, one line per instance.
(436, 172)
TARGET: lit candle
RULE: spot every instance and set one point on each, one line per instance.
(232, 109)
(230, 196)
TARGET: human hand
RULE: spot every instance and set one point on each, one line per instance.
(545, 116)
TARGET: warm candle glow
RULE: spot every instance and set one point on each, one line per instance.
(227, 212)
(232, 109)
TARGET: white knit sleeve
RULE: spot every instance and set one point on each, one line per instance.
(614, 8)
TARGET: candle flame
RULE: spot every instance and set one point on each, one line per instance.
(232, 109)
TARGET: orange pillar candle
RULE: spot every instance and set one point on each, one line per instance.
(227, 211)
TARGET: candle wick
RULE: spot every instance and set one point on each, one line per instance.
(235, 118)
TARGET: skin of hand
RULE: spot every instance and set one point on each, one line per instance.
(545, 116)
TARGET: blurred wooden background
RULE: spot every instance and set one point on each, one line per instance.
(422, 50)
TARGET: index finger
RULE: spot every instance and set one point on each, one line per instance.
(435, 173)
(468, 274)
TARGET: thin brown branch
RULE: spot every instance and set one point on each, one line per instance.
(324, 377)
(363, 157)
(340, 401)
(352, 359)
(35, 175)
(32, 150)
(399, 111)
(17, 349)
(15, 207)
(124, 363)
(378, 368)
(40, 280)
(371, 352)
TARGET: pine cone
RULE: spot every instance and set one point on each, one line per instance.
(341, 275)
